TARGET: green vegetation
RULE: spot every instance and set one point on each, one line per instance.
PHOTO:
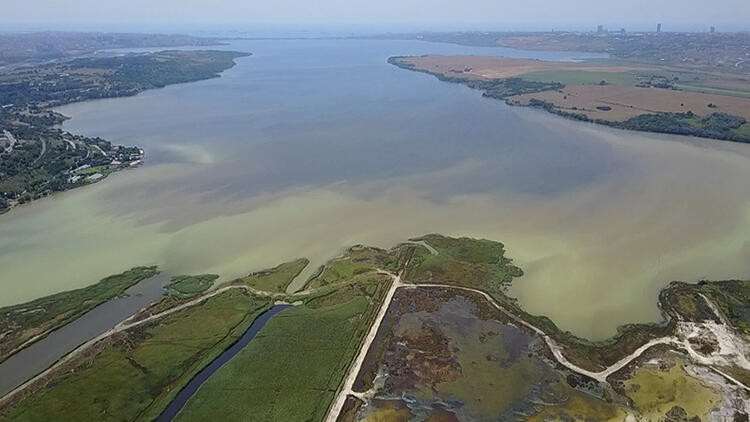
(493, 88)
(466, 262)
(689, 51)
(714, 125)
(450, 352)
(578, 77)
(656, 392)
(89, 78)
(32, 320)
(292, 369)
(580, 408)
(26, 46)
(38, 158)
(742, 132)
(504, 88)
(190, 285)
(698, 87)
(481, 264)
(646, 79)
(357, 260)
(731, 297)
(442, 346)
(134, 375)
(276, 279)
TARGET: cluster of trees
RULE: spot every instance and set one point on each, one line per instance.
(62, 83)
(715, 125)
(161, 69)
(26, 173)
(504, 88)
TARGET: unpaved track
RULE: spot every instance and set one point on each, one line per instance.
(346, 387)
(600, 376)
(129, 323)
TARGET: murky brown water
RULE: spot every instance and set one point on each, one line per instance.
(310, 146)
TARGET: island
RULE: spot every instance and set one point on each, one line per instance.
(424, 330)
(37, 158)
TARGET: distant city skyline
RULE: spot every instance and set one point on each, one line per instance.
(359, 15)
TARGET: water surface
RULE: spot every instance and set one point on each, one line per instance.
(201, 377)
(39, 356)
(310, 146)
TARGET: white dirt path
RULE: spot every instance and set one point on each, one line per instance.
(346, 387)
(128, 323)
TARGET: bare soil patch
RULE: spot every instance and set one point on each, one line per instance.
(626, 102)
(485, 67)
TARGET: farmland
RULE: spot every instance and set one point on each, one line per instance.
(614, 93)
(292, 370)
(452, 345)
(153, 361)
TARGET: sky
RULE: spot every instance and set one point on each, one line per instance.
(695, 15)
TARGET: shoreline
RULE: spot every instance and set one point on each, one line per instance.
(595, 360)
(482, 85)
(115, 166)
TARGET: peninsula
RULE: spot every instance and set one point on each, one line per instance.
(425, 330)
(684, 84)
(37, 158)
(633, 96)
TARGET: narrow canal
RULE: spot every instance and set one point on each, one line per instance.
(192, 387)
(39, 356)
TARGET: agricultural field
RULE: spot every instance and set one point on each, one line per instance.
(134, 374)
(584, 77)
(490, 67)
(624, 94)
(22, 323)
(620, 103)
(452, 345)
(692, 51)
(294, 366)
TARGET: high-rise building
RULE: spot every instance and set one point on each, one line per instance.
(622, 31)
(600, 29)
(658, 28)
(713, 29)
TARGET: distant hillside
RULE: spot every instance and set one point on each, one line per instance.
(18, 47)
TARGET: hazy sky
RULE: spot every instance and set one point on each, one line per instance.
(420, 14)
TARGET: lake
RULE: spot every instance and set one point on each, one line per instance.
(309, 146)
